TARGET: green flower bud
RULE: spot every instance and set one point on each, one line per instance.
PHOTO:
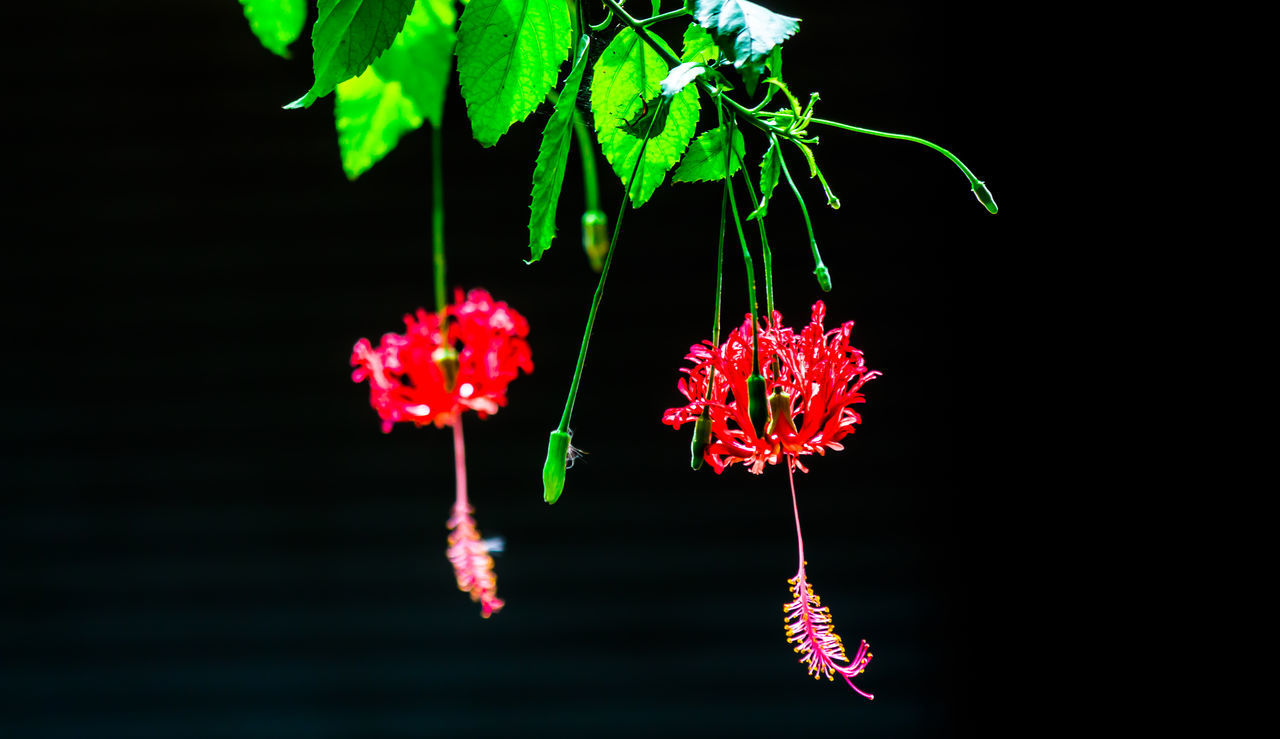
(780, 414)
(984, 196)
(824, 278)
(446, 358)
(757, 407)
(701, 439)
(554, 468)
(595, 237)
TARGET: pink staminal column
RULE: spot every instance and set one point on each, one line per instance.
(468, 553)
(808, 622)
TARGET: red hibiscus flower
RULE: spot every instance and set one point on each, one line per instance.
(421, 378)
(813, 378)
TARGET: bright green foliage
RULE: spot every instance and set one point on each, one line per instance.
(625, 87)
(698, 45)
(770, 171)
(421, 57)
(706, 157)
(553, 154)
(747, 33)
(371, 115)
(276, 23)
(509, 56)
(404, 86)
(347, 37)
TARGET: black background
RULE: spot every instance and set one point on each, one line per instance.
(205, 533)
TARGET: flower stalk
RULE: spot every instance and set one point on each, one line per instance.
(702, 427)
(595, 224)
(979, 188)
(445, 356)
(557, 460)
(757, 408)
(819, 269)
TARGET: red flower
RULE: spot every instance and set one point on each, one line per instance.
(407, 383)
(818, 375)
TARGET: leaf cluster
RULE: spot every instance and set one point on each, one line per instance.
(390, 62)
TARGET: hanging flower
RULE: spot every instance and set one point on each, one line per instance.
(415, 377)
(472, 565)
(813, 377)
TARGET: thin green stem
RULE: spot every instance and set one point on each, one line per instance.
(751, 283)
(437, 218)
(764, 238)
(669, 15)
(819, 268)
(641, 31)
(724, 215)
(599, 294)
(979, 189)
(590, 180)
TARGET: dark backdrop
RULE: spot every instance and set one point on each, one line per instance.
(205, 533)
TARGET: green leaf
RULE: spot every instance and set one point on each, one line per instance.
(276, 23)
(371, 115)
(404, 86)
(625, 86)
(347, 37)
(706, 157)
(769, 173)
(553, 153)
(680, 77)
(698, 45)
(421, 57)
(747, 33)
(509, 56)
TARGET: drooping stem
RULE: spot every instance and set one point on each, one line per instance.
(590, 180)
(764, 238)
(579, 22)
(751, 283)
(437, 222)
(979, 189)
(795, 508)
(669, 15)
(724, 214)
(819, 269)
(604, 275)
(459, 465)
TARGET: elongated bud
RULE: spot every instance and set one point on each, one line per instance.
(446, 358)
(701, 439)
(757, 406)
(595, 237)
(554, 468)
(780, 414)
(984, 196)
(824, 278)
